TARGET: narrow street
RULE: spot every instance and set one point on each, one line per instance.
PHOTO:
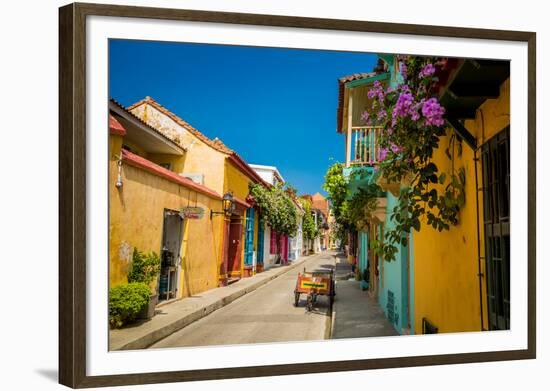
(264, 315)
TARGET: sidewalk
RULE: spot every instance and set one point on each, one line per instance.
(355, 314)
(175, 316)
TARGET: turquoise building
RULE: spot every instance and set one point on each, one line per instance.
(389, 282)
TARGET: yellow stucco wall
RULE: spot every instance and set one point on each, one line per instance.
(446, 285)
(136, 220)
(177, 162)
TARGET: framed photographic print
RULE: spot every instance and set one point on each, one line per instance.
(255, 195)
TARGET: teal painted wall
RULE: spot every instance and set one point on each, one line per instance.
(393, 278)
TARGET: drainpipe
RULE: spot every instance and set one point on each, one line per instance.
(479, 257)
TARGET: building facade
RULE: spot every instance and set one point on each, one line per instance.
(147, 202)
(455, 280)
(290, 247)
(211, 163)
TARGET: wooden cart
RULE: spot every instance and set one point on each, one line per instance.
(314, 284)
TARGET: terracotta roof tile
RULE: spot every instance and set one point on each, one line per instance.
(115, 127)
(216, 143)
(115, 102)
(356, 76)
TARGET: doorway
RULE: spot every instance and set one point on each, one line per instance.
(172, 235)
(234, 252)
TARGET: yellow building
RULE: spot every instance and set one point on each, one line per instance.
(459, 286)
(148, 209)
(448, 281)
(213, 164)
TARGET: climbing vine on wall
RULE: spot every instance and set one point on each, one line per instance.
(277, 208)
(412, 122)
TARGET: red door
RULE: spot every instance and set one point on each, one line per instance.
(225, 251)
(235, 248)
(284, 249)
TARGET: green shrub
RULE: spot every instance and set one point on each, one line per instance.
(145, 267)
(126, 301)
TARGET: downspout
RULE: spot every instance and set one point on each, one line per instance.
(479, 257)
(479, 273)
(472, 143)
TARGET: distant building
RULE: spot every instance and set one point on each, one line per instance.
(290, 246)
(321, 204)
(270, 174)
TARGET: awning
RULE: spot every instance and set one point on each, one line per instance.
(470, 84)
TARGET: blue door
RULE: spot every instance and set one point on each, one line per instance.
(249, 237)
(260, 250)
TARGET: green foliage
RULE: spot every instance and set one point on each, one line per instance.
(359, 209)
(413, 125)
(277, 208)
(309, 230)
(290, 190)
(354, 212)
(336, 187)
(145, 267)
(126, 301)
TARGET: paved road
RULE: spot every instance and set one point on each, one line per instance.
(264, 315)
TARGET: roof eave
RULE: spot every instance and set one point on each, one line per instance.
(136, 121)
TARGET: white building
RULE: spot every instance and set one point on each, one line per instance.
(271, 175)
(295, 243)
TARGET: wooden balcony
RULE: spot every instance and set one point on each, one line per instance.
(362, 147)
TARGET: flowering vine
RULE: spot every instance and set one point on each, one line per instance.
(412, 122)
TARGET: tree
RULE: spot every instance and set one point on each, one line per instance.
(309, 231)
(336, 187)
(351, 211)
(278, 210)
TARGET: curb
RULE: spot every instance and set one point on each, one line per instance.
(154, 336)
(332, 315)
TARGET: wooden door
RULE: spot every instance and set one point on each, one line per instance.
(249, 238)
(235, 248)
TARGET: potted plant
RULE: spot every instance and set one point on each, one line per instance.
(145, 268)
(126, 302)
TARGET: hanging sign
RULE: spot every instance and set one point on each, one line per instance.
(193, 212)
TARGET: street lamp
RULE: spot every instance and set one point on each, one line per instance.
(228, 205)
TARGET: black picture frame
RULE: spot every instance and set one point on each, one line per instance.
(72, 190)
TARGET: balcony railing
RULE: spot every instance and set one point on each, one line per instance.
(364, 148)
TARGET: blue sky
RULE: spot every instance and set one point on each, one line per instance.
(273, 106)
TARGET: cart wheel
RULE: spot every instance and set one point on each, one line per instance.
(296, 298)
(309, 304)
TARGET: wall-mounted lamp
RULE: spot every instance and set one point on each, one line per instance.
(228, 205)
(118, 183)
